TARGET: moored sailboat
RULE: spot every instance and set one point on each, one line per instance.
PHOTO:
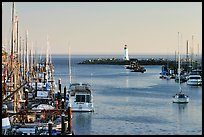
(180, 97)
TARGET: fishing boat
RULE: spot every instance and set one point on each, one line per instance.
(80, 95)
(180, 97)
(135, 67)
(138, 69)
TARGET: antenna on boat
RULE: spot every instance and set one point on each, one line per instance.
(70, 77)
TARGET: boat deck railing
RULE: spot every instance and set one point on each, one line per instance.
(80, 87)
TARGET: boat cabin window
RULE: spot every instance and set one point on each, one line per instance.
(88, 98)
(80, 98)
(181, 96)
(83, 98)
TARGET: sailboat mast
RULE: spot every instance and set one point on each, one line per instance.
(198, 56)
(50, 59)
(23, 61)
(187, 56)
(47, 56)
(70, 76)
(198, 53)
(179, 62)
(20, 56)
(17, 36)
(30, 67)
(192, 54)
(26, 57)
(12, 38)
(12, 33)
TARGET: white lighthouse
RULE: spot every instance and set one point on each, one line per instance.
(126, 53)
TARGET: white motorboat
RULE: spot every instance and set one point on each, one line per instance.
(81, 97)
(194, 80)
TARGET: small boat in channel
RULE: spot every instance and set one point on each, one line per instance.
(180, 97)
(138, 69)
(135, 67)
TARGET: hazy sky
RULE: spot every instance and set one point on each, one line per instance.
(105, 27)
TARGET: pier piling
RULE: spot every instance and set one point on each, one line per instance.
(26, 95)
(65, 95)
(62, 105)
(62, 123)
(59, 82)
(70, 118)
(50, 127)
(36, 88)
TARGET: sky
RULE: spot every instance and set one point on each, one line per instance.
(105, 27)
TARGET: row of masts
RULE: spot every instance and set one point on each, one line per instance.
(190, 61)
(20, 66)
(21, 70)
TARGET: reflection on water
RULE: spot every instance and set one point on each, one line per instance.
(82, 120)
(127, 82)
(180, 107)
(180, 113)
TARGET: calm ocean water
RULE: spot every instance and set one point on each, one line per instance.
(131, 103)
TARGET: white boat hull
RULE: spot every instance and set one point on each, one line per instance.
(82, 110)
(176, 99)
(194, 82)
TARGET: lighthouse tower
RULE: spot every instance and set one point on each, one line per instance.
(126, 53)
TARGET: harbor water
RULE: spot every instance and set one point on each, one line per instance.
(131, 103)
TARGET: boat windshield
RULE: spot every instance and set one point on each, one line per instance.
(83, 98)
